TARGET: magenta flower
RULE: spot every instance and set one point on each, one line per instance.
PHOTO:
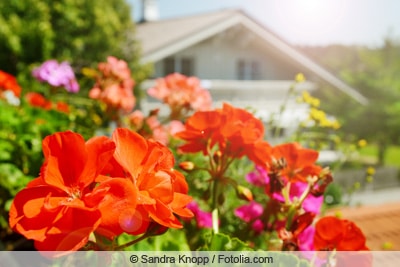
(306, 239)
(257, 226)
(249, 212)
(311, 203)
(258, 177)
(203, 219)
(57, 74)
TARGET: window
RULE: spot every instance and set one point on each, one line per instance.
(184, 65)
(248, 70)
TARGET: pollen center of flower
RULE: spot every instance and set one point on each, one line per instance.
(75, 193)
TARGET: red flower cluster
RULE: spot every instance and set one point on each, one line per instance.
(107, 186)
(293, 162)
(38, 100)
(332, 233)
(9, 83)
(180, 93)
(236, 131)
(114, 85)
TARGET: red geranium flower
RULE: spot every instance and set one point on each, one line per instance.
(162, 191)
(8, 82)
(62, 207)
(236, 131)
(298, 163)
(38, 100)
(342, 235)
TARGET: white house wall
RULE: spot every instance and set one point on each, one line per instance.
(217, 57)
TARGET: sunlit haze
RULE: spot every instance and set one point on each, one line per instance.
(304, 22)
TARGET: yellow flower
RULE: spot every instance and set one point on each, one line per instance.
(315, 102)
(370, 170)
(300, 77)
(362, 143)
(335, 125)
(387, 246)
(338, 214)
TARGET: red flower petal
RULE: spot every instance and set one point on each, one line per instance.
(130, 151)
(66, 155)
(118, 204)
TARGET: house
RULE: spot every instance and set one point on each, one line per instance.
(237, 58)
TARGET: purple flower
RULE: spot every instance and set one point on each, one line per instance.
(58, 75)
(258, 177)
(204, 219)
(249, 212)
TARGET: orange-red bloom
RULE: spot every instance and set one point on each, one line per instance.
(38, 100)
(8, 82)
(236, 131)
(162, 191)
(342, 235)
(295, 162)
(60, 208)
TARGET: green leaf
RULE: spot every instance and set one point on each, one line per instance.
(222, 242)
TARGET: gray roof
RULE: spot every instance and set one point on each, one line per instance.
(160, 39)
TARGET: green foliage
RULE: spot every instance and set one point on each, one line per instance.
(333, 195)
(222, 242)
(81, 31)
(172, 240)
(374, 72)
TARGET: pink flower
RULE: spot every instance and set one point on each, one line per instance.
(203, 219)
(258, 177)
(114, 85)
(174, 127)
(136, 119)
(311, 203)
(257, 226)
(306, 239)
(181, 93)
(249, 212)
(57, 75)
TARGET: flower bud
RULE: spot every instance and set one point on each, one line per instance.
(244, 193)
(187, 166)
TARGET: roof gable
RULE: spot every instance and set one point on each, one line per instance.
(161, 39)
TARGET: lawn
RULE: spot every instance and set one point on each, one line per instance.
(392, 157)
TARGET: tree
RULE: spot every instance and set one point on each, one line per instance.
(375, 73)
(84, 32)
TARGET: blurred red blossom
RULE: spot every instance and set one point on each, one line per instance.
(9, 83)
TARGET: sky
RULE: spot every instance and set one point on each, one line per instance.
(304, 22)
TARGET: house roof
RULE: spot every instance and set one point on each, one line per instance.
(163, 38)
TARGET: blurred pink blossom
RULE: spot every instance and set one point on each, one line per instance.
(57, 74)
(181, 93)
(203, 219)
(258, 177)
(114, 85)
(311, 203)
(249, 212)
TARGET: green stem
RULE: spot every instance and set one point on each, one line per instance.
(215, 215)
(131, 243)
